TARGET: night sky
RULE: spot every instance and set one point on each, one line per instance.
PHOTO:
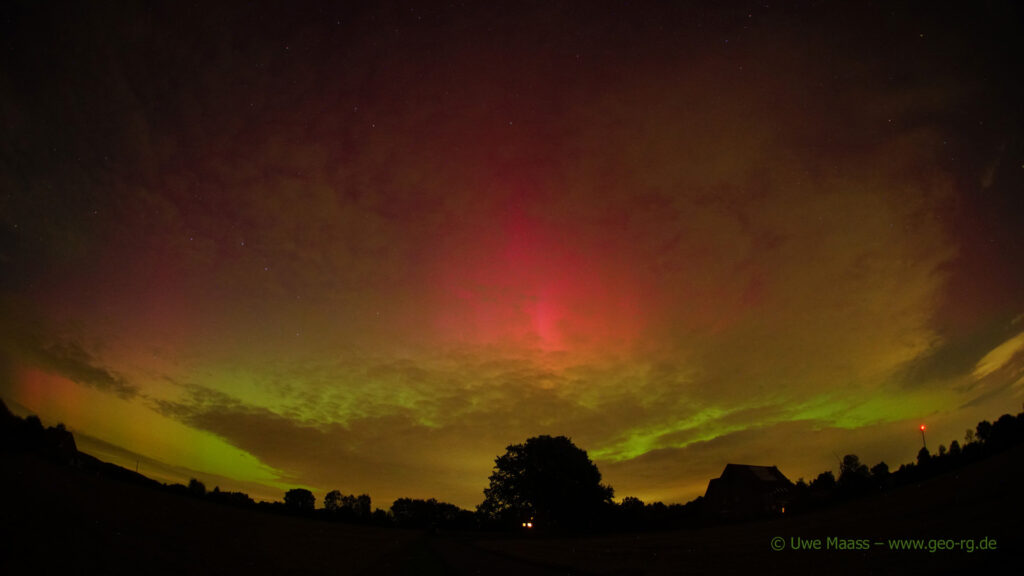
(368, 247)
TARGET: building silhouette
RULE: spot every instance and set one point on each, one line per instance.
(744, 491)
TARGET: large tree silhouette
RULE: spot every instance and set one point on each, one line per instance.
(547, 480)
(299, 499)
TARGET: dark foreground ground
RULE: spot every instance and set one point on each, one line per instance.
(57, 520)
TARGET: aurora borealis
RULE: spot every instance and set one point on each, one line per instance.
(368, 247)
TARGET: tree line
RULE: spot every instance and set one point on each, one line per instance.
(546, 484)
(857, 480)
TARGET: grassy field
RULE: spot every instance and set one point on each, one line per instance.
(58, 520)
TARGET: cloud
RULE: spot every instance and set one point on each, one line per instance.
(999, 356)
(950, 359)
(68, 359)
(388, 456)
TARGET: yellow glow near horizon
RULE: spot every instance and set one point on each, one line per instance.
(135, 427)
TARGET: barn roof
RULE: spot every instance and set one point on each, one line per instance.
(766, 474)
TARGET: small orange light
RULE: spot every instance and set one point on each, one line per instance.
(922, 427)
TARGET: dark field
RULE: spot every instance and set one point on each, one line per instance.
(58, 520)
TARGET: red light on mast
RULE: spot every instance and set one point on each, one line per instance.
(922, 427)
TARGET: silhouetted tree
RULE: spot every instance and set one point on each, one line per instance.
(362, 507)
(548, 479)
(299, 499)
(414, 513)
(854, 477)
(59, 444)
(32, 432)
(851, 466)
(954, 449)
(630, 513)
(924, 457)
(348, 503)
(9, 424)
(880, 472)
(348, 506)
(656, 510)
(631, 503)
(825, 481)
(381, 517)
(196, 488)
(232, 498)
(34, 424)
(1005, 432)
(332, 501)
(969, 436)
(179, 489)
(984, 431)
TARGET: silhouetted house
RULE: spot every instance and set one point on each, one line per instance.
(744, 491)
